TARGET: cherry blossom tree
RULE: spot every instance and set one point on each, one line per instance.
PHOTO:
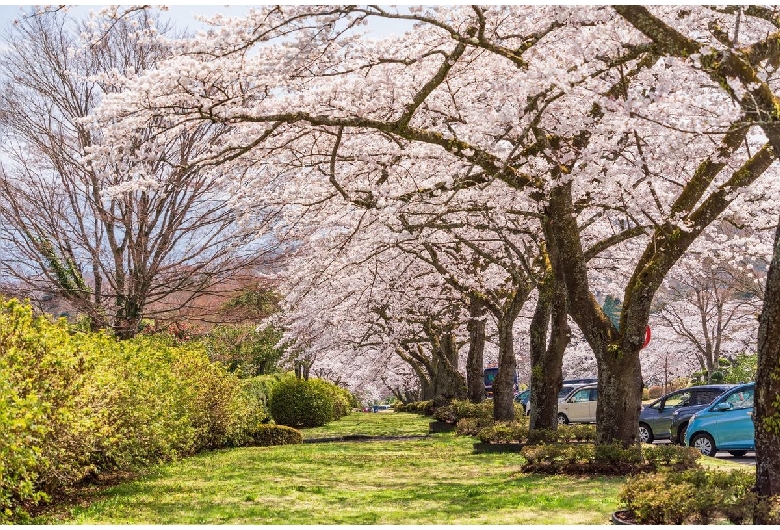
(577, 113)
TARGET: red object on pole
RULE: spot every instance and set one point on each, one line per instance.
(647, 336)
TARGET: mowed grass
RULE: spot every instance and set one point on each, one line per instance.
(435, 480)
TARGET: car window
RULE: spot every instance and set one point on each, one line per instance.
(565, 391)
(742, 399)
(594, 394)
(678, 400)
(704, 397)
(581, 395)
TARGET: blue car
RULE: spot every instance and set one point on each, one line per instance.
(726, 425)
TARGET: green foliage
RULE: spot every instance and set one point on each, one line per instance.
(21, 437)
(741, 369)
(417, 407)
(244, 348)
(460, 409)
(607, 459)
(255, 302)
(504, 432)
(341, 398)
(267, 435)
(519, 432)
(74, 404)
(472, 426)
(693, 496)
(302, 403)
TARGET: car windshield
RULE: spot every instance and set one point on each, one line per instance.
(566, 390)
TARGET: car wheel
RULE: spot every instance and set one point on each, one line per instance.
(704, 443)
(645, 433)
(682, 431)
(738, 454)
(562, 419)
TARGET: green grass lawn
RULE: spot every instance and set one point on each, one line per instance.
(435, 480)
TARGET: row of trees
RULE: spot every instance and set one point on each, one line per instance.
(501, 151)
(435, 185)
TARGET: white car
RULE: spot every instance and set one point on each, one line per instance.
(579, 406)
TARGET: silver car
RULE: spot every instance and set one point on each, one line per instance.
(579, 406)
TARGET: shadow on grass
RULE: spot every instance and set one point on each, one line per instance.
(428, 481)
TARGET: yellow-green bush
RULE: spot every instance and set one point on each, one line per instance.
(301, 403)
(73, 404)
(268, 435)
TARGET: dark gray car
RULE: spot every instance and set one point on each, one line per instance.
(655, 420)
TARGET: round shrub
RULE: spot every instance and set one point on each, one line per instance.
(267, 435)
(301, 403)
(340, 397)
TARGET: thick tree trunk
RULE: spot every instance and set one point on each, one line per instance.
(620, 395)
(547, 359)
(620, 377)
(503, 391)
(475, 361)
(448, 383)
(767, 411)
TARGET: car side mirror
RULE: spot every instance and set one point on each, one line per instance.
(720, 407)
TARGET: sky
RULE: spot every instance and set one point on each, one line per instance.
(182, 15)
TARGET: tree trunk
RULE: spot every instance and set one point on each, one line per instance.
(620, 395)
(767, 410)
(620, 377)
(475, 361)
(503, 384)
(448, 382)
(547, 359)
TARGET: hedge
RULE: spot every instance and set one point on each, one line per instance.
(75, 404)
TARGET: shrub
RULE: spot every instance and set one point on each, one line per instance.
(504, 433)
(472, 426)
(609, 459)
(301, 403)
(645, 394)
(74, 404)
(244, 348)
(692, 496)
(276, 435)
(654, 392)
(467, 409)
(417, 407)
(341, 398)
(671, 455)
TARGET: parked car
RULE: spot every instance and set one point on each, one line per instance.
(571, 384)
(655, 419)
(725, 425)
(566, 388)
(682, 415)
(579, 406)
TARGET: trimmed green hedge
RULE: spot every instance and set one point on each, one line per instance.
(609, 459)
(307, 403)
